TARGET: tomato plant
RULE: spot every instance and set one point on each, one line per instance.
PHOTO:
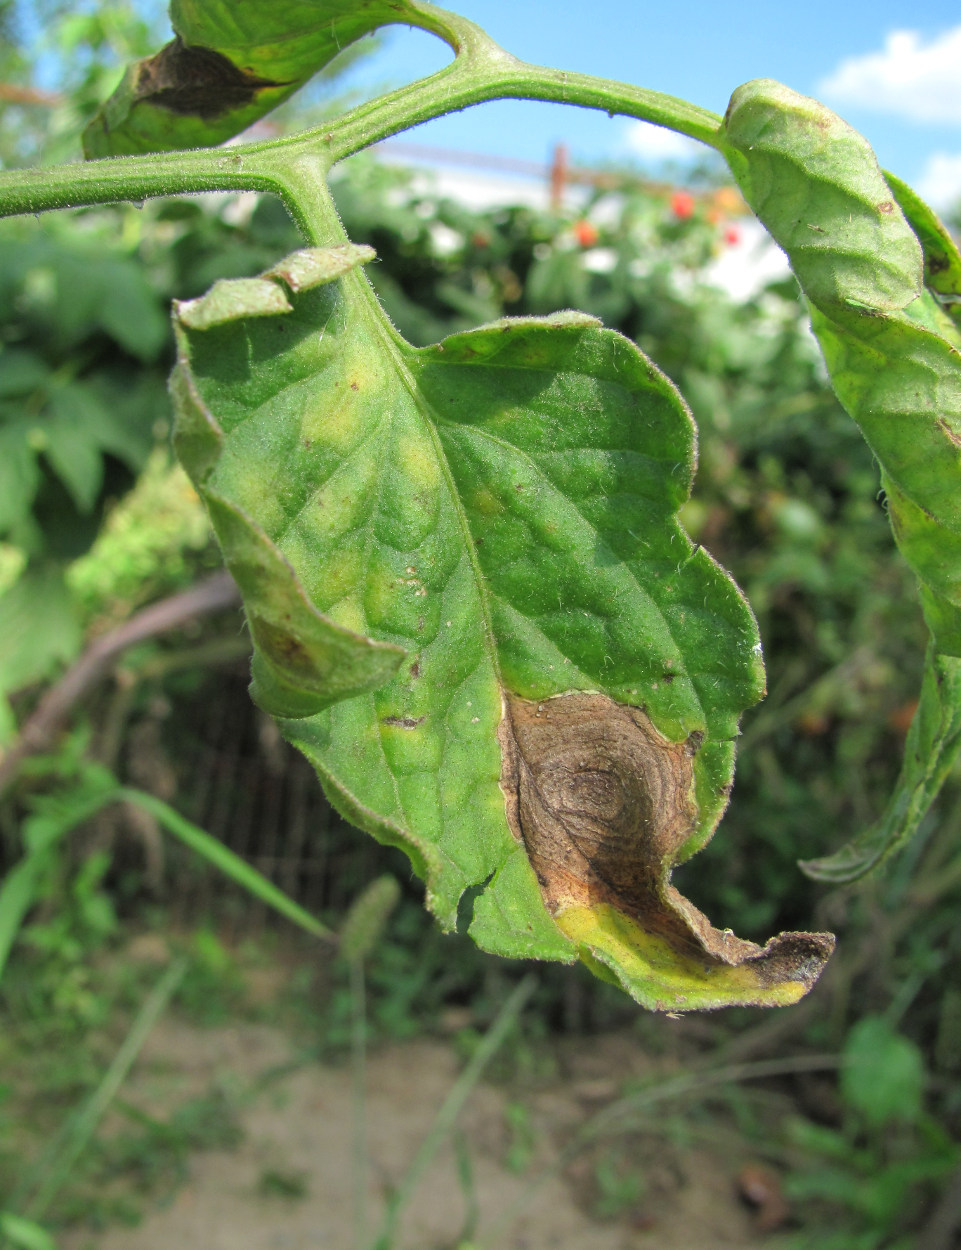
(472, 603)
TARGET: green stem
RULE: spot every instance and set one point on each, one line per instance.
(301, 182)
(501, 78)
(481, 71)
(121, 178)
(358, 1047)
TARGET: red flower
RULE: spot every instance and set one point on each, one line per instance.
(682, 205)
(585, 233)
(732, 235)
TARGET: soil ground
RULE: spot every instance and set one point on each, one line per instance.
(299, 1126)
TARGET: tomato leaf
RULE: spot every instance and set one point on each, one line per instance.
(878, 293)
(547, 674)
(231, 61)
(930, 750)
(942, 261)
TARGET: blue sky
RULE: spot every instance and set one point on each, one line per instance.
(892, 70)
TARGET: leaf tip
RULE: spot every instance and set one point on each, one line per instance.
(603, 804)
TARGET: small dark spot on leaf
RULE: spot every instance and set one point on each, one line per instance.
(307, 442)
(196, 82)
(420, 624)
(518, 486)
(886, 206)
(403, 722)
(354, 386)
(667, 678)
(693, 743)
(415, 670)
(938, 263)
(290, 649)
(952, 434)
(281, 647)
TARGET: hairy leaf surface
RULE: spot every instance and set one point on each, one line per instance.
(545, 675)
(231, 61)
(880, 273)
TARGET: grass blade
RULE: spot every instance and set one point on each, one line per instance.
(452, 1106)
(223, 859)
(81, 1127)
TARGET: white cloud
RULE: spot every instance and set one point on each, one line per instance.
(910, 77)
(940, 181)
(655, 144)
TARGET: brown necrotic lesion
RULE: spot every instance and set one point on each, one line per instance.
(603, 803)
(598, 796)
(197, 81)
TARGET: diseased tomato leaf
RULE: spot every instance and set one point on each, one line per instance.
(541, 676)
(231, 61)
(880, 273)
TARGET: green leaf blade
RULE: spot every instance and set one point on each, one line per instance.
(880, 275)
(304, 659)
(942, 260)
(933, 743)
(501, 507)
(816, 185)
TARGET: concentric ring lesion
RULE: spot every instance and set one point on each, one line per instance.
(601, 800)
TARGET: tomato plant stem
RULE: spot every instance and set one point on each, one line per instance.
(481, 71)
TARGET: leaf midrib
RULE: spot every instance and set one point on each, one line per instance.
(396, 350)
(602, 543)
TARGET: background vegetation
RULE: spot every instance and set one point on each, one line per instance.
(95, 523)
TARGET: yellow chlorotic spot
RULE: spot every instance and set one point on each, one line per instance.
(486, 503)
(415, 458)
(339, 574)
(350, 614)
(337, 423)
(380, 593)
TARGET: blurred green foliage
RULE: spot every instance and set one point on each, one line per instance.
(82, 51)
(872, 1179)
